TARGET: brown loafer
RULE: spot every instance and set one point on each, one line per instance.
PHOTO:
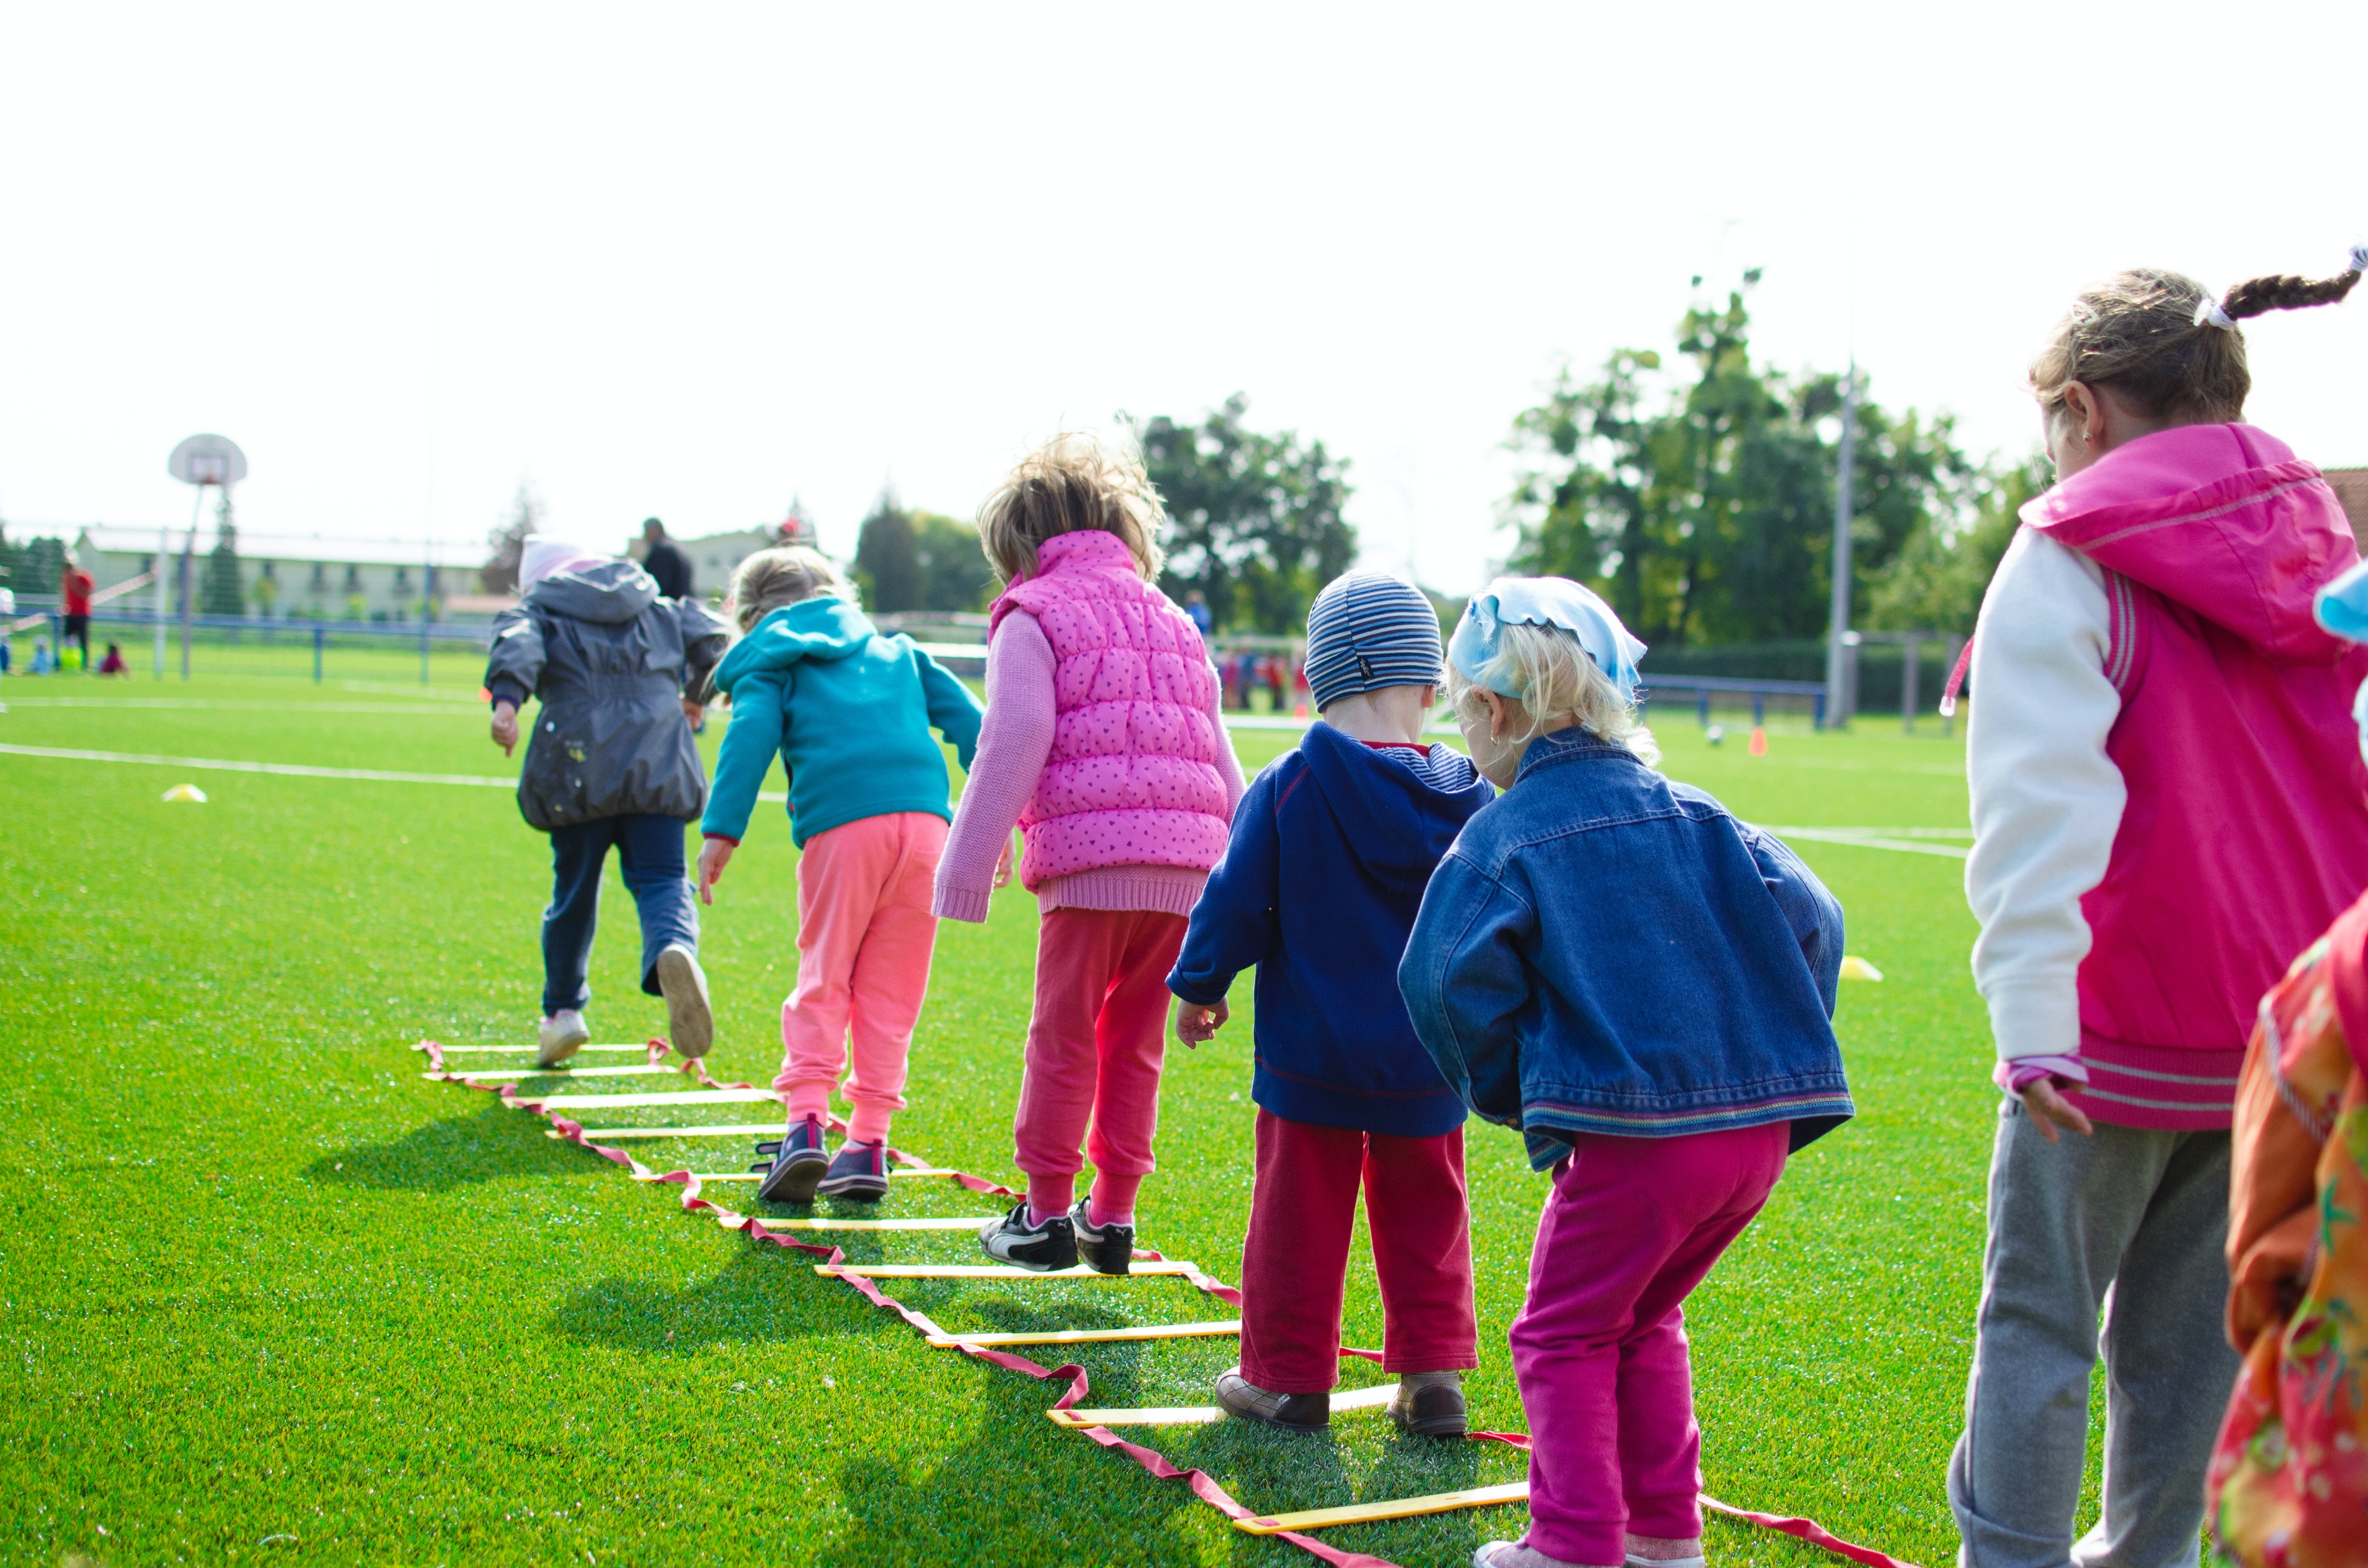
(1436, 1410)
(1292, 1412)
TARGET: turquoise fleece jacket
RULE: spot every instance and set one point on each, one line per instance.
(850, 712)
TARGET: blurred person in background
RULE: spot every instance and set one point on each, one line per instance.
(76, 585)
(663, 562)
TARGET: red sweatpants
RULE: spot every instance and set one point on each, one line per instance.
(1295, 1259)
(1096, 1045)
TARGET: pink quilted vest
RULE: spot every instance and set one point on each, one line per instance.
(1133, 776)
(2245, 834)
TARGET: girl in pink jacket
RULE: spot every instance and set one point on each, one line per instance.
(2166, 784)
(1104, 742)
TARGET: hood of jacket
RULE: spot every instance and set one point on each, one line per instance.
(1401, 819)
(609, 593)
(2223, 519)
(824, 627)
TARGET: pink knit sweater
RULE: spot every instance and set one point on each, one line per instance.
(1015, 742)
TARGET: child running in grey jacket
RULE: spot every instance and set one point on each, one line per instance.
(611, 761)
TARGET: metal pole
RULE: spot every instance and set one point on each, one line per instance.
(318, 633)
(188, 556)
(427, 603)
(1837, 671)
(1910, 647)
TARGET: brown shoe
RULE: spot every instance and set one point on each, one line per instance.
(1292, 1412)
(1430, 1409)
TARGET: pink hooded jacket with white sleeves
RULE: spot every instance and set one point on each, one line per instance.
(1103, 740)
(2166, 776)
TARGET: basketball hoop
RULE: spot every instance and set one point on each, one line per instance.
(207, 459)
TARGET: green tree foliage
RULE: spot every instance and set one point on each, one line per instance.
(888, 558)
(954, 572)
(907, 560)
(219, 592)
(1256, 517)
(1699, 499)
(35, 566)
(1939, 578)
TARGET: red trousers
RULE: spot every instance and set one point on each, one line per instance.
(1295, 1259)
(1096, 1043)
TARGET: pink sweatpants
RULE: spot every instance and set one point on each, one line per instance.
(1600, 1348)
(1095, 1048)
(864, 935)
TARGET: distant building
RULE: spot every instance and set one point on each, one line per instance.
(282, 577)
(715, 557)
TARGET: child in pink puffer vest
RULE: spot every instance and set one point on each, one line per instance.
(1104, 742)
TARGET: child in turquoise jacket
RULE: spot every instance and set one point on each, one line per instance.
(850, 712)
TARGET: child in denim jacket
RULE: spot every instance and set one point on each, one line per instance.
(1643, 985)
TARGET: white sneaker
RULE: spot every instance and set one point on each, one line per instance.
(559, 1035)
(690, 1022)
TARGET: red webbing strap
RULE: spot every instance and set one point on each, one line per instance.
(1201, 1483)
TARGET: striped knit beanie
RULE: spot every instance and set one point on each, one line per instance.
(1368, 630)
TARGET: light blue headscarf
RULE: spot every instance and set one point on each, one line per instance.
(1543, 601)
(2342, 606)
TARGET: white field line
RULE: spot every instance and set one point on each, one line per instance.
(1905, 840)
(210, 705)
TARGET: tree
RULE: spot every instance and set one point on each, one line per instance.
(1703, 508)
(888, 558)
(500, 572)
(35, 566)
(1939, 578)
(219, 592)
(1257, 518)
(954, 572)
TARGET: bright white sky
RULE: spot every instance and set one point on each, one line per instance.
(691, 260)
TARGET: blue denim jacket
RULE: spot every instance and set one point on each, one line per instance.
(1603, 950)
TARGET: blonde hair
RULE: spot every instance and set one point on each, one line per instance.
(1556, 681)
(783, 575)
(1073, 482)
(2147, 334)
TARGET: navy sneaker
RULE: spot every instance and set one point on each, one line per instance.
(861, 1172)
(1052, 1245)
(1108, 1249)
(799, 1160)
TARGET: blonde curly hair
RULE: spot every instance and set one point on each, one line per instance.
(1075, 481)
(1558, 684)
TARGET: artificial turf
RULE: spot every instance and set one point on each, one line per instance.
(270, 1294)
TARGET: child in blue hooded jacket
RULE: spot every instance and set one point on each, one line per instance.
(1330, 849)
(850, 714)
(1643, 985)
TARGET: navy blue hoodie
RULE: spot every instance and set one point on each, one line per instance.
(1332, 846)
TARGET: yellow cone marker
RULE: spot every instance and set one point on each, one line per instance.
(190, 792)
(1859, 969)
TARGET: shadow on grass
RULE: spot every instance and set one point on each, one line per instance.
(751, 1302)
(458, 1152)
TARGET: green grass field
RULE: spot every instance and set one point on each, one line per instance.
(262, 1281)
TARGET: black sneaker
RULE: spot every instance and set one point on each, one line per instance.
(1052, 1245)
(799, 1160)
(1108, 1249)
(1292, 1412)
(861, 1172)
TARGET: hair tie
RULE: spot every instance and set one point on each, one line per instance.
(2207, 309)
(2359, 259)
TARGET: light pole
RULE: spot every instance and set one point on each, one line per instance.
(200, 460)
(1838, 631)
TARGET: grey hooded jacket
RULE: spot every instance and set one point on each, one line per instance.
(610, 659)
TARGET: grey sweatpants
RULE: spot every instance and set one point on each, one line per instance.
(2129, 1223)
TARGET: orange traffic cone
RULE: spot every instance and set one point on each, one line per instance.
(1759, 746)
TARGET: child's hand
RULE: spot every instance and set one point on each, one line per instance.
(2048, 1110)
(694, 711)
(1007, 863)
(713, 855)
(1195, 1023)
(505, 727)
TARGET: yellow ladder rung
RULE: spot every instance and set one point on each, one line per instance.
(1403, 1508)
(993, 1270)
(1191, 1414)
(1094, 1336)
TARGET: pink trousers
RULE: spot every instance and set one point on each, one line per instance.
(1600, 1348)
(1095, 1048)
(1295, 1257)
(864, 935)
